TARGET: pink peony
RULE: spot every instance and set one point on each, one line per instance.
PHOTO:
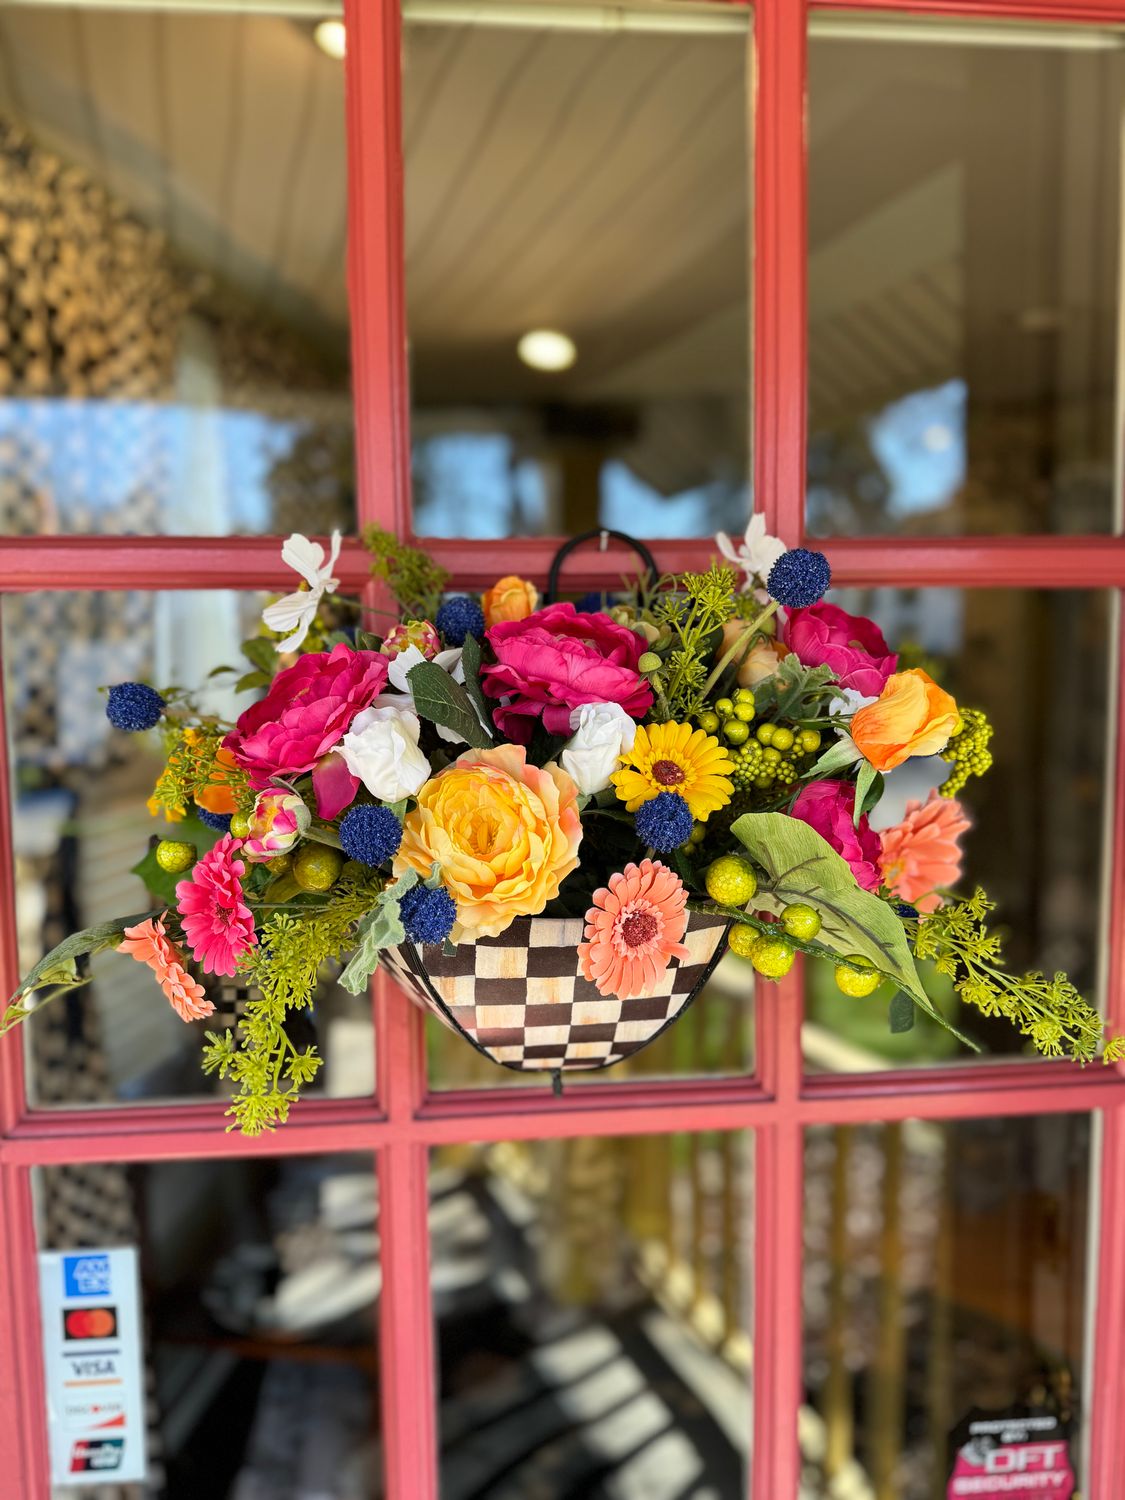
(851, 645)
(556, 660)
(307, 711)
(218, 925)
(828, 807)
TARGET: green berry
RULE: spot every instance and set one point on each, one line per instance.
(239, 826)
(316, 867)
(771, 755)
(858, 985)
(736, 732)
(724, 707)
(772, 957)
(809, 740)
(731, 880)
(280, 864)
(698, 833)
(175, 857)
(801, 921)
(709, 722)
(744, 711)
(744, 695)
(742, 939)
(782, 738)
(765, 734)
(649, 662)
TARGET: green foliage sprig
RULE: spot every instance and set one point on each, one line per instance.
(1049, 1011)
(693, 608)
(284, 969)
(416, 581)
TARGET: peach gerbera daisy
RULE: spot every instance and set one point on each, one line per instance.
(148, 943)
(921, 854)
(634, 929)
(675, 758)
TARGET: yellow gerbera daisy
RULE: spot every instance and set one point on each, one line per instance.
(675, 758)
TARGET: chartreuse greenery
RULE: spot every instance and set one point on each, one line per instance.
(714, 740)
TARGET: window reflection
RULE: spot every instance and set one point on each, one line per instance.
(591, 1298)
(596, 186)
(173, 312)
(964, 206)
(945, 1272)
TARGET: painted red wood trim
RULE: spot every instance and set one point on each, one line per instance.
(1105, 1400)
(1114, 899)
(779, 316)
(1074, 12)
(13, 1087)
(777, 1320)
(23, 1432)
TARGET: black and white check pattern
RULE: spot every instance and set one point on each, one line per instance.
(521, 999)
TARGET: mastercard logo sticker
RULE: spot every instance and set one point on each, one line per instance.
(89, 1323)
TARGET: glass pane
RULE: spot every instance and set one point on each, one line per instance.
(945, 1278)
(1038, 662)
(714, 1036)
(964, 265)
(173, 310)
(568, 182)
(592, 1299)
(81, 824)
(259, 1285)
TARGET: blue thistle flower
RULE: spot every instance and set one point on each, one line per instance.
(594, 604)
(428, 915)
(370, 834)
(664, 823)
(220, 822)
(458, 617)
(134, 706)
(799, 578)
(904, 909)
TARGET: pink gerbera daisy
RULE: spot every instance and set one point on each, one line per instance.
(147, 943)
(217, 923)
(634, 929)
(921, 854)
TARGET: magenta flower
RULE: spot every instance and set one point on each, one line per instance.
(853, 646)
(556, 660)
(828, 807)
(218, 925)
(306, 713)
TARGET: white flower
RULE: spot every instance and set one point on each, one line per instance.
(757, 553)
(603, 732)
(398, 674)
(381, 748)
(296, 612)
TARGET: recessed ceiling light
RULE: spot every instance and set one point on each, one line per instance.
(547, 349)
(331, 37)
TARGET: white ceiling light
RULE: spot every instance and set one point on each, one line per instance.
(547, 349)
(331, 37)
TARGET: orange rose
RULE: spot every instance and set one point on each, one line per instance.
(504, 833)
(511, 599)
(912, 716)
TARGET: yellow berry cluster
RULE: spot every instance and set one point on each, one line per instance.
(765, 755)
(968, 750)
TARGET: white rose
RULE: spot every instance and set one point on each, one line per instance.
(381, 748)
(602, 733)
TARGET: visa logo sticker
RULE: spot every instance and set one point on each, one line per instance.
(86, 1276)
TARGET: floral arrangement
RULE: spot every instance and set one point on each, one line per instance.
(714, 742)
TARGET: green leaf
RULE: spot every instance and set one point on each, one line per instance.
(261, 653)
(60, 966)
(837, 757)
(365, 640)
(380, 928)
(441, 700)
(794, 690)
(254, 679)
(470, 663)
(801, 866)
(399, 807)
(901, 1013)
(867, 774)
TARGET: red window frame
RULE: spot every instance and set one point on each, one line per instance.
(404, 1120)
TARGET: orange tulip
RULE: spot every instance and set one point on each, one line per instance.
(912, 716)
(511, 599)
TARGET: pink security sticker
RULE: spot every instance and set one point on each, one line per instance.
(1004, 1454)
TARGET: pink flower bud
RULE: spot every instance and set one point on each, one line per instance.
(279, 819)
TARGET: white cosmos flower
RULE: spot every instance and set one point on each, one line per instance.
(381, 748)
(848, 702)
(602, 733)
(296, 612)
(757, 552)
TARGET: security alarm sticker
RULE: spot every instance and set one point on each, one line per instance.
(92, 1357)
(1022, 1452)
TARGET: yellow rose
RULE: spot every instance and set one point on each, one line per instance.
(511, 599)
(504, 833)
(912, 716)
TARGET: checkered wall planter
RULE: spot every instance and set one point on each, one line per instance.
(521, 1000)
